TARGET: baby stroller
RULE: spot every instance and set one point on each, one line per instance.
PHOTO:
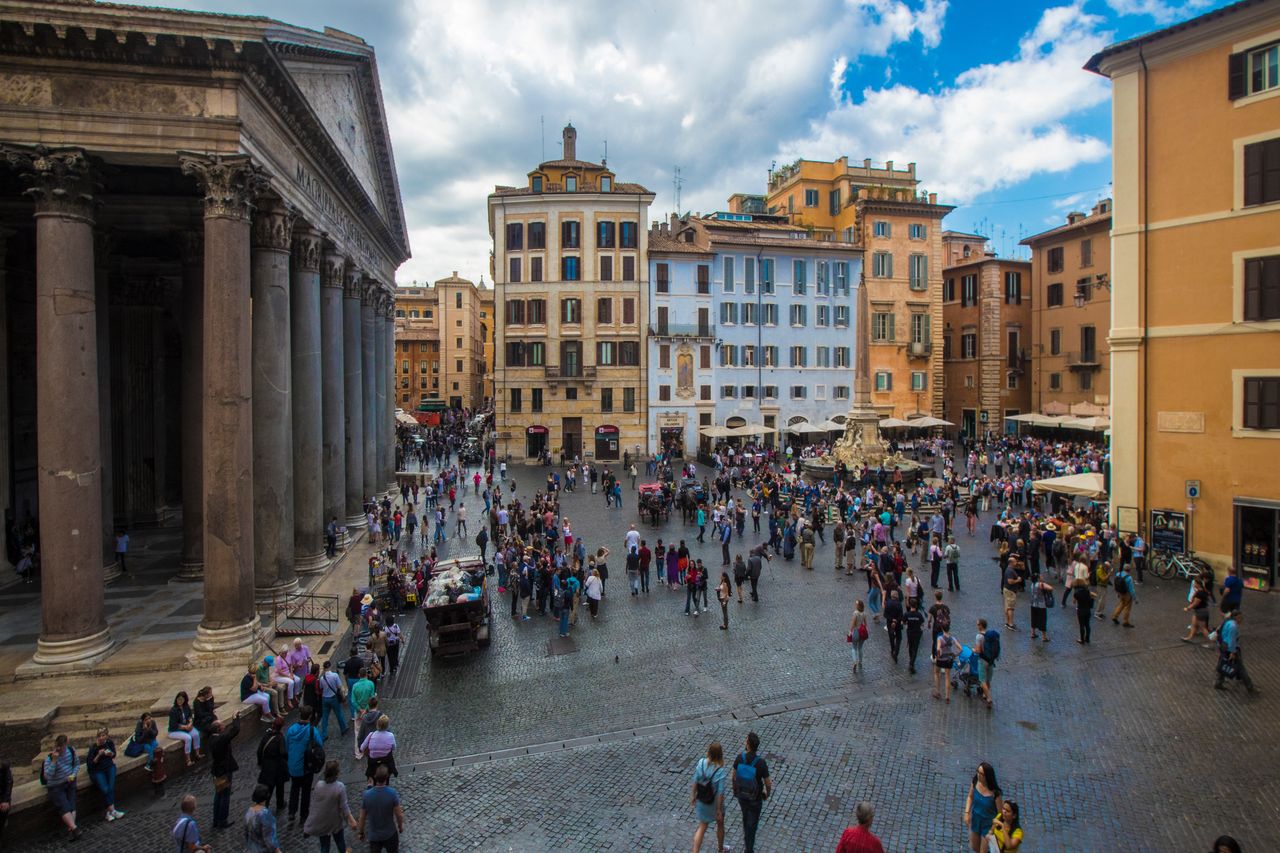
(964, 672)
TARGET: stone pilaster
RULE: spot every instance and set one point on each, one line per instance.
(369, 391)
(6, 473)
(308, 459)
(353, 402)
(229, 185)
(389, 409)
(192, 246)
(333, 396)
(103, 245)
(383, 369)
(274, 573)
(73, 627)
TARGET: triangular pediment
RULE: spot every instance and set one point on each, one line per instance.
(334, 91)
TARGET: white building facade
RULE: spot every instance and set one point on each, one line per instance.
(769, 313)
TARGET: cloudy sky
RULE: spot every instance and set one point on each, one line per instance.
(986, 96)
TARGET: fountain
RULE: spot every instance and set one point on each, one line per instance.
(861, 445)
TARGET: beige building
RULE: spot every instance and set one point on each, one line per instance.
(571, 278)
(487, 331)
(986, 335)
(1071, 312)
(1195, 316)
(899, 228)
(440, 344)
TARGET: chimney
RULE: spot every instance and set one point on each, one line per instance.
(570, 143)
(888, 166)
(933, 198)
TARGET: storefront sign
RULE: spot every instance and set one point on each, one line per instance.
(1168, 530)
(536, 430)
(1127, 519)
(606, 430)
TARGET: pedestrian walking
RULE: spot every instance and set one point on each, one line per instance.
(952, 556)
(982, 805)
(739, 575)
(594, 591)
(893, 623)
(707, 797)
(946, 649)
(394, 637)
(1010, 584)
(752, 786)
(381, 815)
(1198, 605)
(298, 740)
(914, 619)
(986, 645)
(1006, 829)
(1041, 600)
(939, 621)
(859, 839)
(858, 633)
(260, 825)
(1127, 595)
(723, 591)
(1230, 656)
(273, 761)
(691, 589)
(379, 748)
(330, 811)
(1084, 598)
(186, 832)
(222, 765)
(806, 547)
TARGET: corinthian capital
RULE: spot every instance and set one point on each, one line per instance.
(231, 183)
(60, 180)
(370, 292)
(307, 246)
(390, 296)
(333, 270)
(273, 225)
(353, 284)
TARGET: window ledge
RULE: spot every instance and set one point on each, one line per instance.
(1255, 98)
(1243, 432)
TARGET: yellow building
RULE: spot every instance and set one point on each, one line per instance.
(899, 228)
(1071, 312)
(570, 270)
(440, 341)
(1195, 323)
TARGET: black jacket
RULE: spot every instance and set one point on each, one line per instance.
(204, 715)
(223, 761)
(273, 759)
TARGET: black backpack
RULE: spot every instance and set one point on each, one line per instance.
(706, 791)
(313, 757)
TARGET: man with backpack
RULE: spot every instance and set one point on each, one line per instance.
(751, 787)
(1127, 595)
(306, 758)
(939, 621)
(986, 645)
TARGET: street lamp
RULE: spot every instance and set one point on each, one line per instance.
(1082, 288)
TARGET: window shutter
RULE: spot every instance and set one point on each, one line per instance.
(1271, 170)
(1236, 75)
(1253, 289)
(891, 337)
(1253, 173)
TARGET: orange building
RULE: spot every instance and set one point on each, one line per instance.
(1071, 298)
(440, 341)
(899, 228)
(1195, 331)
(986, 335)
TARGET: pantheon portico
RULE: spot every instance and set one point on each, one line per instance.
(200, 224)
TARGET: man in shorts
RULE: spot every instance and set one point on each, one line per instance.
(985, 667)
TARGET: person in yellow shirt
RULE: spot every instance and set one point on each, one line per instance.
(1006, 830)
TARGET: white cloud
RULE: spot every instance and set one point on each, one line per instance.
(1163, 11)
(707, 86)
(995, 125)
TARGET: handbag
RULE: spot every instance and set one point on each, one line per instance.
(848, 638)
(221, 783)
(1226, 667)
(133, 749)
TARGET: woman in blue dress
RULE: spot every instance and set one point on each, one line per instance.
(982, 806)
(707, 796)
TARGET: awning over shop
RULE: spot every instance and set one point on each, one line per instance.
(1080, 485)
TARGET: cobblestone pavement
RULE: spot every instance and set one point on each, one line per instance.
(1118, 745)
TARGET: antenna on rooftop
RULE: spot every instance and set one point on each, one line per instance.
(678, 182)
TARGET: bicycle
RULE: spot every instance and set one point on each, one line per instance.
(1168, 565)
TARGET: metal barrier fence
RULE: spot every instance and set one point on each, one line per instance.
(308, 614)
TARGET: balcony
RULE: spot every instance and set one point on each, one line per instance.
(584, 373)
(919, 349)
(1018, 359)
(1083, 360)
(682, 330)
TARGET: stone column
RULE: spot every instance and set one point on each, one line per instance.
(6, 412)
(230, 184)
(308, 473)
(192, 566)
(103, 245)
(383, 368)
(393, 392)
(369, 385)
(274, 574)
(333, 451)
(353, 396)
(73, 627)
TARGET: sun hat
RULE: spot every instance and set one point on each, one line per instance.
(368, 599)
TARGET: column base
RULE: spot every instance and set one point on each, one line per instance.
(238, 639)
(357, 522)
(264, 596)
(111, 572)
(80, 653)
(191, 570)
(310, 564)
